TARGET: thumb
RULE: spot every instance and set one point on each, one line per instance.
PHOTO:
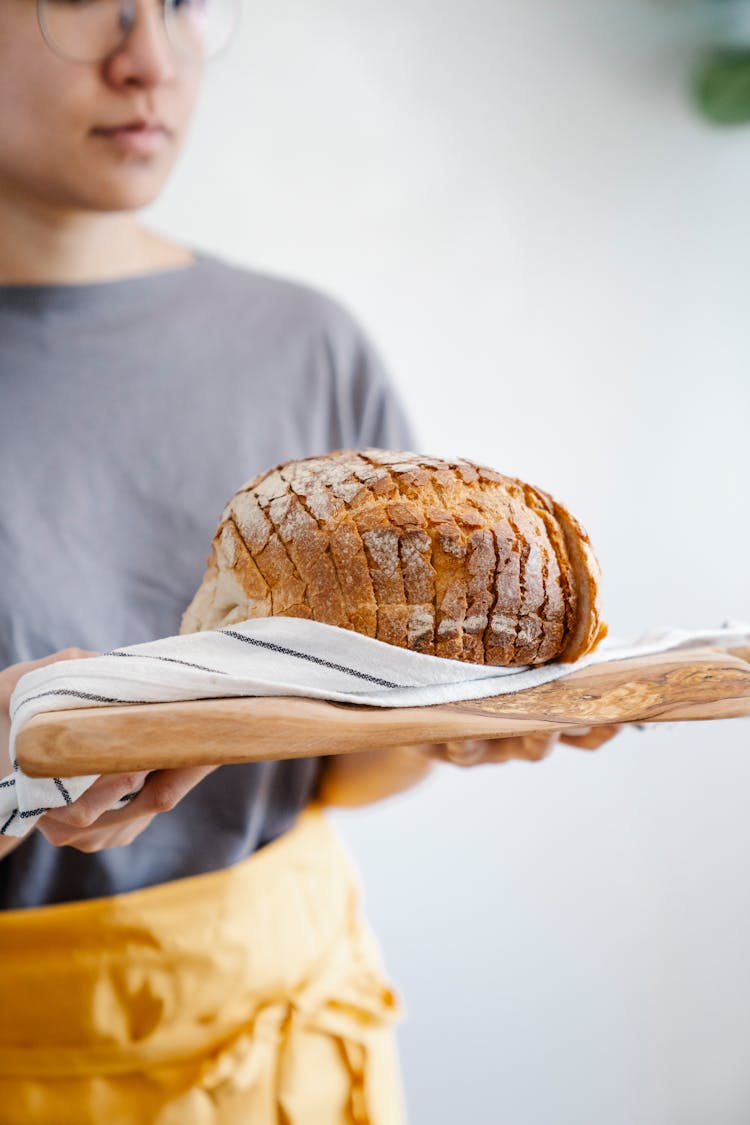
(11, 675)
(53, 658)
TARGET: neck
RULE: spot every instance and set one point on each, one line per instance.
(39, 245)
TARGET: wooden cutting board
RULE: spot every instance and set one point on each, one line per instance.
(694, 683)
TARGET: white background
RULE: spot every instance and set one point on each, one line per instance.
(550, 250)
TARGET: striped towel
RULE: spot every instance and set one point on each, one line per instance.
(275, 656)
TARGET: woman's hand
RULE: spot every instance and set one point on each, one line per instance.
(90, 824)
(9, 677)
(532, 747)
(352, 780)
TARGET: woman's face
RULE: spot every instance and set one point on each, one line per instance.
(52, 145)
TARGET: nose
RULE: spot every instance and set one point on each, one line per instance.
(146, 58)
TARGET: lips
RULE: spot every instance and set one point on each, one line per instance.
(139, 138)
(138, 125)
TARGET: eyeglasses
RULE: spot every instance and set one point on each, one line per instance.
(92, 30)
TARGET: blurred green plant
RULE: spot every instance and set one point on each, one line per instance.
(721, 84)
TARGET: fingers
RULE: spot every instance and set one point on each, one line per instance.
(116, 836)
(594, 737)
(463, 753)
(164, 790)
(531, 747)
(94, 839)
(470, 752)
(71, 653)
(91, 824)
(98, 799)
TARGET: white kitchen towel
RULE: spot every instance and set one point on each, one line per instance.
(276, 656)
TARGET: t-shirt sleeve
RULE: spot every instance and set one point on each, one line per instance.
(368, 408)
(382, 418)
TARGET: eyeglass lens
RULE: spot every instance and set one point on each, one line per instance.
(91, 30)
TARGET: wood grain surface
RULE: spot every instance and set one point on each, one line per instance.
(686, 684)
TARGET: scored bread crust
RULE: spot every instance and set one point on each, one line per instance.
(448, 558)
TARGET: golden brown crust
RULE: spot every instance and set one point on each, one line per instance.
(588, 630)
(448, 558)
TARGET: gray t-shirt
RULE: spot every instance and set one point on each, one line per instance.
(130, 411)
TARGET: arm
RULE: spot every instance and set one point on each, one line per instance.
(361, 778)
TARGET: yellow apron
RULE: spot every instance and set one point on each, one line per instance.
(251, 995)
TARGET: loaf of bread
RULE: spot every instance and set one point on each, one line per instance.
(447, 558)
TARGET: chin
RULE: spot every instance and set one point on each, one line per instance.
(122, 200)
(123, 192)
(108, 180)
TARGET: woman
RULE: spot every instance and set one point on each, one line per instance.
(199, 955)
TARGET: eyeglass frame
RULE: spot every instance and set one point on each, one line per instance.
(133, 6)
